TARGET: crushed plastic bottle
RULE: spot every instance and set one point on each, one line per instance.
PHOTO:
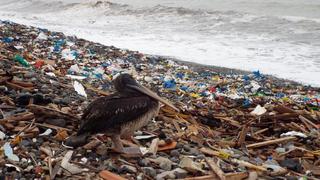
(21, 60)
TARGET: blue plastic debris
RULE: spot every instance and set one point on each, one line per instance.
(246, 78)
(246, 103)
(169, 84)
(180, 75)
(280, 95)
(58, 44)
(184, 88)
(7, 39)
(257, 74)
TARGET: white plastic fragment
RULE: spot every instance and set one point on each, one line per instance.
(42, 36)
(67, 54)
(51, 74)
(79, 88)
(73, 169)
(259, 111)
(144, 150)
(76, 77)
(255, 86)
(294, 133)
(144, 137)
(9, 152)
(2, 135)
(46, 133)
(74, 68)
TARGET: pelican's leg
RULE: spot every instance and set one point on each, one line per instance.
(118, 147)
(116, 143)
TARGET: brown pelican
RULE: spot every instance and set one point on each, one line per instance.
(121, 113)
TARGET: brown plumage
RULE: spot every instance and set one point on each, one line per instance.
(121, 113)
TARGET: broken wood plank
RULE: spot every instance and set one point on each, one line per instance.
(25, 116)
(46, 111)
(207, 177)
(215, 168)
(269, 142)
(248, 165)
(242, 135)
(308, 123)
(107, 175)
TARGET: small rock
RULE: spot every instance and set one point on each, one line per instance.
(194, 151)
(25, 143)
(291, 164)
(175, 153)
(143, 162)
(66, 100)
(29, 74)
(186, 147)
(164, 163)
(166, 175)
(127, 168)
(45, 89)
(180, 173)
(189, 165)
(175, 159)
(150, 171)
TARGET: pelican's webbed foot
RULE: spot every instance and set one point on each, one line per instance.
(118, 148)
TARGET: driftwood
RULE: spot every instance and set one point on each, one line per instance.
(49, 112)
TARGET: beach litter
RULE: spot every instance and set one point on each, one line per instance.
(231, 124)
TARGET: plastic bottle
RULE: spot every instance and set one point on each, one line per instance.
(21, 60)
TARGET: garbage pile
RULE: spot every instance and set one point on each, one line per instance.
(231, 125)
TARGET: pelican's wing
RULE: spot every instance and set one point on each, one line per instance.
(111, 112)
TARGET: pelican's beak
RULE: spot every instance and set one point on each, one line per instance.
(148, 92)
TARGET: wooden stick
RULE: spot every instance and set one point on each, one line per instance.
(261, 131)
(21, 83)
(207, 177)
(209, 151)
(266, 143)
(25, 116)
(216, 169)
(52, 126)
(308, 123)
(236, 176)
(242, 135)
(18, 87)
(248, 165)
(230, 121)
(42, 110)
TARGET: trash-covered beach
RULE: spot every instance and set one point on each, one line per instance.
(231, 124)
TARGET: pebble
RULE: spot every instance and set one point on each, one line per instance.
(150, 171)
(180, 173)
(189, 165)
(29, 74)
(127, 168)
(25, 143)
(291, 164)
(166, 175)
(143, 162)
(175, 153)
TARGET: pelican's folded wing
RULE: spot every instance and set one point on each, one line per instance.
(110, 113)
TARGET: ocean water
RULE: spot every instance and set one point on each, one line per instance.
(277, 37)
